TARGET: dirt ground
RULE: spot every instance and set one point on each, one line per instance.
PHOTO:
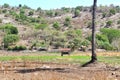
(55, 71)
(36, 70)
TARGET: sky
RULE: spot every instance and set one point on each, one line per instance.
(54, 4)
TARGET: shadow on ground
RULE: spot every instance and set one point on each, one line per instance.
(62, 70)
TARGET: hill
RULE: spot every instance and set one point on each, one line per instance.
(65, 27)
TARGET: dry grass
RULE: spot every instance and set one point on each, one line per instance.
(12, 70)
(107, 53)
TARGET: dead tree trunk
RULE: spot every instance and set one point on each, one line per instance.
(94, 56)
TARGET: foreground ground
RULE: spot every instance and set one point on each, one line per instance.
(44, 66)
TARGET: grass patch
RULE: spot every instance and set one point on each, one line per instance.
(114, 60)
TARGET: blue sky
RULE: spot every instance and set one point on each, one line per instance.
(53, 4)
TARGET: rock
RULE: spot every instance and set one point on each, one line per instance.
(45, 66)
(113, 73)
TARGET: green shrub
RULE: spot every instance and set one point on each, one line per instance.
(102, 38)
(10, 39)
(109, 23)
(74, 43)
(9, 48)
(67, 21)
(105, 45)
(30, 13)
(0, 20)
(73, 33)
(22, 17)
(116, 44)
(39, 9)
(89, 25)
(56, 25)
(112, 11)
(4, 11)
(10, 29)
(79, 8)
(34, 20)
(13, 13)
(85, 42)
(66, 10)
(77, 12)
(6, 5)
(50, 13)
(17, 48)
(22, 11)
(104, 14)
(102, 42)
(111, 33)
(40, 26)
(118, 22)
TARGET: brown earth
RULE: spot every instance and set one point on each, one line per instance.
(27, 70)
(36, 70)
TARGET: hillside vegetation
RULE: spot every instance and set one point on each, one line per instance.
(24, 28)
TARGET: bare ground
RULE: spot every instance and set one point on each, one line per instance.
(36, 70)
(56, 71)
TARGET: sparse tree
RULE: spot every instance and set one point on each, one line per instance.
(67, 21)
(6, 5)
(20, 5)
(77, 13)
(10, 39)
(39, 9)
(30, 13)
(79, 8)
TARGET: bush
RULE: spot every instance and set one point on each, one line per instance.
(10, 39)
(74, 44)
(108, 23)
(85, 43)
(50, 13)
(30, 13)
(56, 25)
(10, 29)
(74, 33)
(77, 12)
(116, 44)
(89, 25)
(104, 15)
(40, 26)
(39, 9)
(6, 5)
(66, 10)
(13, 13)
(105, 45)
(118, 22)
(67, 21)
(9, 48)
(102, 42)
(17, 48)
(0, 20)
(79, 8)
(4, 11)
(112, 11)
(102, 38)
(111, 33)
(34, 20)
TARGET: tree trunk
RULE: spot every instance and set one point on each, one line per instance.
(94, 56)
